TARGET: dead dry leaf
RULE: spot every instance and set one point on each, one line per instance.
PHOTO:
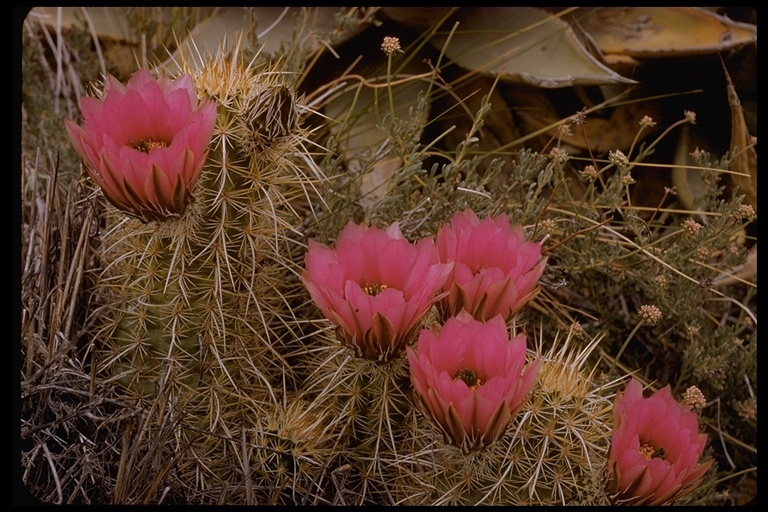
(274, 27)
(523, 45)
(663, 31)
(744, 163)
(688, 183)
(535, 111)
(417, 18)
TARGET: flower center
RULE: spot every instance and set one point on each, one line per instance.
(374, 289)
(470, 378)
(145, 145)
(650, 452)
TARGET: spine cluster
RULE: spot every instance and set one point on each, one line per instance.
(198, 305)
(210, 329)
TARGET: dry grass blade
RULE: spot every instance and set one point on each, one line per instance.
(64, 454)
(185, 362)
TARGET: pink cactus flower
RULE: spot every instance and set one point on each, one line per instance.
(144, 143)
(376, 286)
(495, 269)
(655, 448)
(470, 378)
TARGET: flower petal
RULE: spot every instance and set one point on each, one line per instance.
(162, 115)
(668, 466)
(496, 269)
(483, 408)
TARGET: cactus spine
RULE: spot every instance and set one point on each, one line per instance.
(553, 452)
(197, 304)
(204, 330)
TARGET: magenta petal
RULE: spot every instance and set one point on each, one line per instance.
(496, 268)
(150, 185)
(464, 343)
(668, 465)
(380, 275)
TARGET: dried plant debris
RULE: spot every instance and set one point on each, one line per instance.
(379, 180)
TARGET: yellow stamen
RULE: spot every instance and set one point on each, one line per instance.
(650, 452)
(374, 289)
(145, 145)
(470, 378)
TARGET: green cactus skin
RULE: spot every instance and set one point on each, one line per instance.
(373, 411)
(207, 328)
(196, 306)
(552, 453)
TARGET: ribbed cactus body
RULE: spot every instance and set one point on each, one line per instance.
(152, 332)
(552, 453)
(204, 288)
(257, 404)
(373, 411)
(196, 305)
